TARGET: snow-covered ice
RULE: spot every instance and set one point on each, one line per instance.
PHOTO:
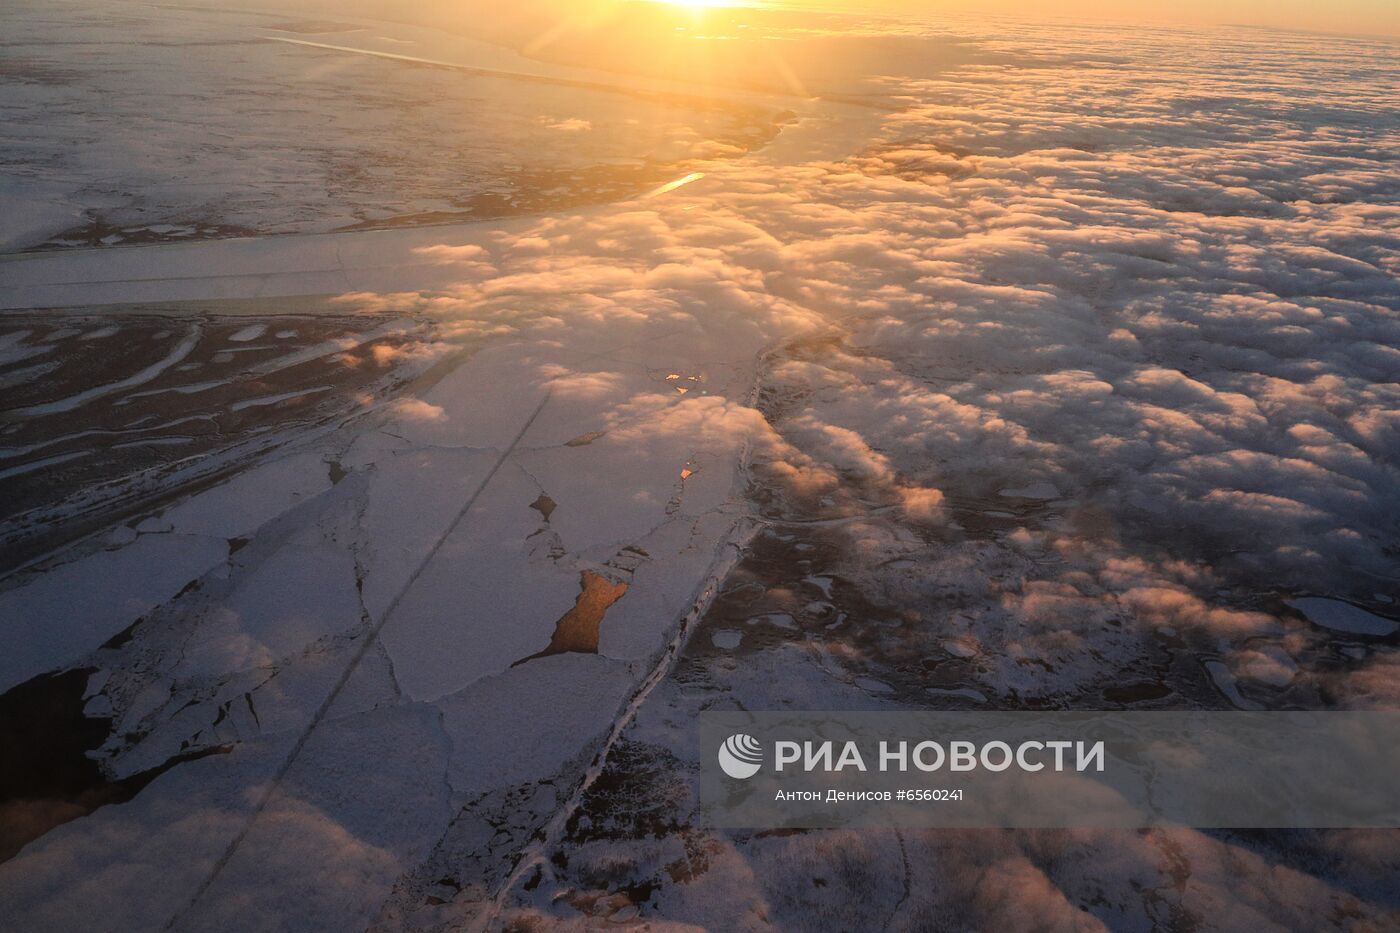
(1343, 617)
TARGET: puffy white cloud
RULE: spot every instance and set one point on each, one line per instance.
(413, 409)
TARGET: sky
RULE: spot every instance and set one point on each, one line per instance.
(1365, 17)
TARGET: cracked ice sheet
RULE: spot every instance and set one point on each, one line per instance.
(616, 489)
(102, 592)
(252, 498)
(411, 499)
(359, 808)
(527, 722)
(487, 599)
(85, 874)
(373, 792)
(65, 612)
(417, 467)
(204, 712)
(502, 579)
(364, 803)
(300, 594)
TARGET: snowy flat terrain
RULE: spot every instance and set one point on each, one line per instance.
(397, 457)
(211, 122)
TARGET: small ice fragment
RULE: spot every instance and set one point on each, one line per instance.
(14, 338)
(99, 707)
(1225, 681)
(1040, 490)
(251, 332)
(1342, 617)
(967, 693)
(267, 400)
(95, 683)
(873, 686)
(150, 699)
(121, 536)
(728, 639)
